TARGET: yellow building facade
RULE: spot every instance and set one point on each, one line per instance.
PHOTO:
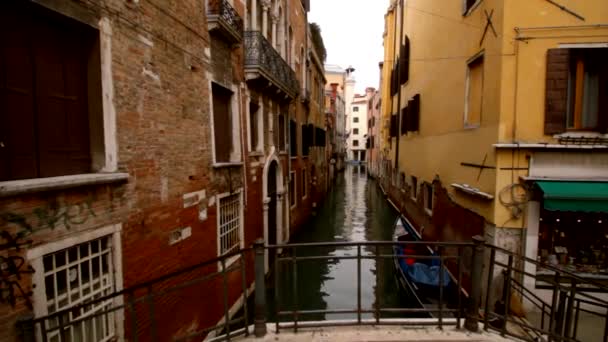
(488, 107)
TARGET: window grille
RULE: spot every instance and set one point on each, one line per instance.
(230, 223)
(77, 275)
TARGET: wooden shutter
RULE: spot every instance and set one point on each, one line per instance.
(253, 125)
(18, 158)
(414, 113)
(222, 123)
(293, 138)
(305, 140)
(281, 132)
(404, 122)
(393, 127)
(61, 99)
(404, 61)
(556, 90)
(43, 94)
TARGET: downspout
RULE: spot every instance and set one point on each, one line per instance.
(287, 123)
(400, 7)
(244, 152)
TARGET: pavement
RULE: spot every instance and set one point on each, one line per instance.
(373, 334)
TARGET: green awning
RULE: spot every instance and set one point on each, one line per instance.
(575, 196)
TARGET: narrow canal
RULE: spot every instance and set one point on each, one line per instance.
(354, 210)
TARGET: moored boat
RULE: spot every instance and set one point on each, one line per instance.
(417, 269)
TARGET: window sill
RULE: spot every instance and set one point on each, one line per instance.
(229, 164)
(471, 126)
(256, 153)
(26, 186)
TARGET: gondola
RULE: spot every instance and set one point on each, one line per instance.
(420, 276)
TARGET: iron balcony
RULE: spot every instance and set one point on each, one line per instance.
(224, 20)
(262, 61)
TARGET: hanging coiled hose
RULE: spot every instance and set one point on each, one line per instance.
(514, 197)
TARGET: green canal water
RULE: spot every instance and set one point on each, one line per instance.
(355, 210)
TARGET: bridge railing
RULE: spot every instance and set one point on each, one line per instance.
(562, 298)
(293, 315)
(557, 300)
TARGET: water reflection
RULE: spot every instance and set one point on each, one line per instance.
(355, 210)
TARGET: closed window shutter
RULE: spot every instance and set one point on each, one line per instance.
(404, 118)
(393, 128)
(404, 61)
(293, 138)
(17, 129)
(414, 113)
(222, 123)
(556, 91)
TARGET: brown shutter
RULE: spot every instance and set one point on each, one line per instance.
(414, 114)
(222, 123)
(393, 128)
(281, 132)
(17, 121)
(556, 91)
(404, 61)
(293, 138)
(61, 99)
(404, 118)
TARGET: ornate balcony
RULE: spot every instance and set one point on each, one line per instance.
(305, 96)
(224, 20)
(263, 62)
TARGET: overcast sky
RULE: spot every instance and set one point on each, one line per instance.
(352, 33)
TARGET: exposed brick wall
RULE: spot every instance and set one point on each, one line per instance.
(161, 98)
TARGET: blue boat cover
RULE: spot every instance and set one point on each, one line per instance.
(427, 275)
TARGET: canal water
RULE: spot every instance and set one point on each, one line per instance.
(355, 210)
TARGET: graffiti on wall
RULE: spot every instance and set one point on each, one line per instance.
(16, 229)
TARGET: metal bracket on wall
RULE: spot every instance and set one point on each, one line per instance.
(565, 9)
(481, 166)
(488, 24)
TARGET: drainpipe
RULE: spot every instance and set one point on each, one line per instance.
(400, 7)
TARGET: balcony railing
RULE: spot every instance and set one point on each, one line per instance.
(148, 316)
(221, 17)
(305, 96)
(262, 60)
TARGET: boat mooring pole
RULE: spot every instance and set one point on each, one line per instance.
(259, 322)
(472, 318)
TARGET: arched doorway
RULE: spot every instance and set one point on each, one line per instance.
(273, 196)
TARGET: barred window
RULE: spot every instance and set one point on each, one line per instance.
(76, 275)
(230, 223)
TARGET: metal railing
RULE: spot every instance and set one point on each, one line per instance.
(370, 250)
(146, 307)
(568, 297)
(305, 96)
(221, 12)
(261, 57)
(190, 294)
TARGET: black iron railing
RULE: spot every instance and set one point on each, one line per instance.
(144, 307)
(225, 280)
(305, 96)
(439, 314)
(568, 297)
(223, 16)
(262, 58)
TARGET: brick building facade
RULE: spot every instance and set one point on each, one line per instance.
(139, 138)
